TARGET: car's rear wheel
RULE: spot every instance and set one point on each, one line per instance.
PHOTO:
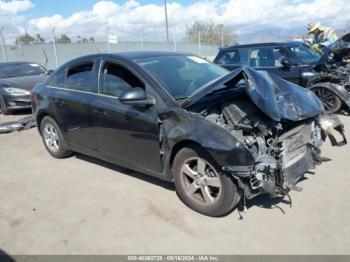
(3, 107)
(200, 184)
(53, 139)
(331, 101)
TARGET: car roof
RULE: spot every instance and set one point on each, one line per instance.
(129, 55)
(266, 44)
(133, 55)
(18, 62)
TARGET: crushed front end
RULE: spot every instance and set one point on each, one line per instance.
(282, 125)
(283, 160)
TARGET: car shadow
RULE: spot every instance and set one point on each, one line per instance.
(125, 171)
(344, 112)
(267, 202)
(261, 201)
(22, 112)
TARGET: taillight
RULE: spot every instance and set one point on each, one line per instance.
(33, 97)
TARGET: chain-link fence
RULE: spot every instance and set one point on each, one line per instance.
(44, 54)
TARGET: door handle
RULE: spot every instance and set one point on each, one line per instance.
(59, 101)
(100, 112)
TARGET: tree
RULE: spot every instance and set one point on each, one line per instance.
(64, 39)
(39, 39)
(92, 39)
(210, 33)
(25, 39)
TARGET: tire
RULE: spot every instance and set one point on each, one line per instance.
(53, 139)
(331, 101)
(215, 198)
(3, 107)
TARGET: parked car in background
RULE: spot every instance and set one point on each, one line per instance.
(218, 135)
(327, 75)
(17, 79)
(292, 61)
(333, 84)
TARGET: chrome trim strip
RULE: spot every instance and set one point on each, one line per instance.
(84, 92)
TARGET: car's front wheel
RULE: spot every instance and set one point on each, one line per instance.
(201, 185)
(331, 101)
(53, 138)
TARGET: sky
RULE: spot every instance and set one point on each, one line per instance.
(131, 19)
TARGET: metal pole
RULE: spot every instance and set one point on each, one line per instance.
(108, 44)
(173, 35)
(54, 46)
(141, 40)
(166, 21)
(222, 36)
(3, 44)
(199, 44)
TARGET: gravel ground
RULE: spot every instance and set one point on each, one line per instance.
(82, 205)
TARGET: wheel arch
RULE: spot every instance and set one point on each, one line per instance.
(184, 144)
(331, 87)
(39, 118)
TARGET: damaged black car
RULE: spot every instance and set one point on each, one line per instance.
(220, 136)
(332, 85)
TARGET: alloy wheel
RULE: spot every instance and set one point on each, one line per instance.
(329, 99)
(201, 181)
(51, 137)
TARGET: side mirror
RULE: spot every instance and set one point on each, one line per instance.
(49, 72)
(136, 96)
(286, 64)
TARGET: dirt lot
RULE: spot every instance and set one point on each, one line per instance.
(81, 205)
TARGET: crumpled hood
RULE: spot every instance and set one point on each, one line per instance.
(274, 96)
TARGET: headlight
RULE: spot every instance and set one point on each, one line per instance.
(16, 91)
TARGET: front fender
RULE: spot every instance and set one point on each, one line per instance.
(219, 143)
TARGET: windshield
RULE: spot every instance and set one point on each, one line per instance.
(20, 69)
(305, 54)
(181, 75)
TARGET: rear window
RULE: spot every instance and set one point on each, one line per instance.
(79, 77)
(233, 57)
(76, 77)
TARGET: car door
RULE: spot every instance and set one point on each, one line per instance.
(75, 86)
(127, 134)
(269, 59)
(232, 59)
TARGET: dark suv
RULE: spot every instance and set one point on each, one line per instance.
(292, 61)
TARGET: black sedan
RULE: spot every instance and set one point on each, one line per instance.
(326, 75)
(292, 61)
(218, 135)
(17, 79)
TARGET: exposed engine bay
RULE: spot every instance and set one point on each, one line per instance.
(284, 151)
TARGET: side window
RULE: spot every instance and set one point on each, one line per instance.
(79, 77)
(115, 79)
(57, 79)
(266, 57)
(235, 56)
(279, 53)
